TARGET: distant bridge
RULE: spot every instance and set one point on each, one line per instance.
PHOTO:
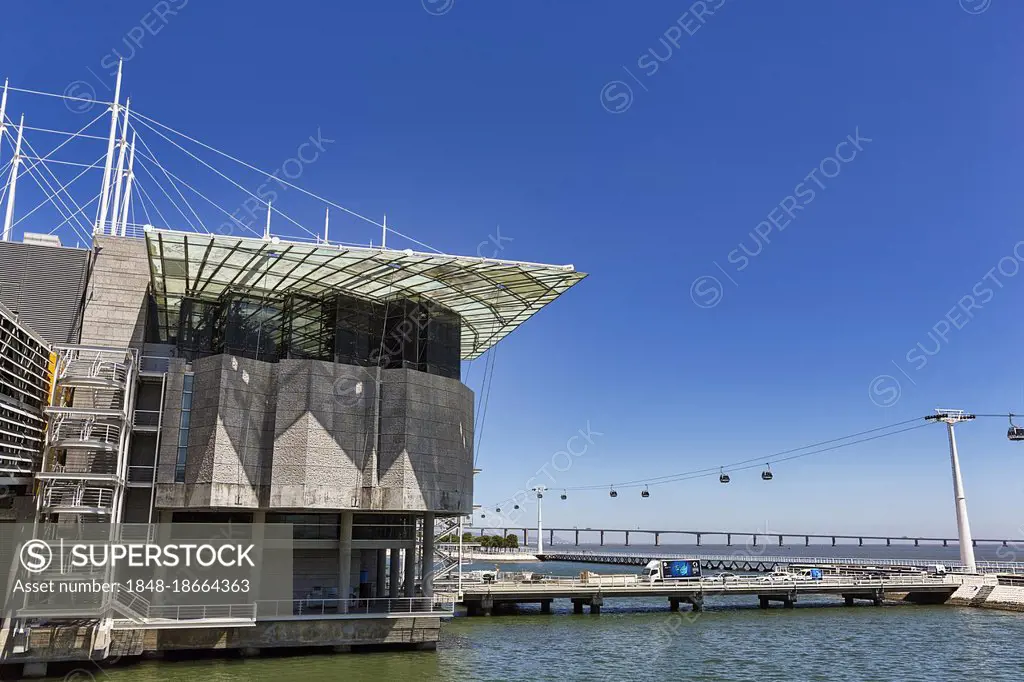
(698, 536)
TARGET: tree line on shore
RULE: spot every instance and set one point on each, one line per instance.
(510, 541)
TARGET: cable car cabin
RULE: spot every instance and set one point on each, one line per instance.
(645, 493)
(723, 478)
(1015, 433)
(564, 496)
(767, 475)
(613, 494)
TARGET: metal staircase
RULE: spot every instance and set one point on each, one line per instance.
(445, 560)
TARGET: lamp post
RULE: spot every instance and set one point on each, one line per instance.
(540, 490)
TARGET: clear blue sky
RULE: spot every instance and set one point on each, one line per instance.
(497, 113)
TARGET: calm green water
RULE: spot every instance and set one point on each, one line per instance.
(641, 640)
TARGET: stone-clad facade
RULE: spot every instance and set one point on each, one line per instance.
(308, 434)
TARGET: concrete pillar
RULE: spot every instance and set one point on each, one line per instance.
(381, 589)
(395, 580)
(833, 541)
(755, 541)
(345, 560)
(577, 606)
(545, 606)
(807, 541)
(427, 560)
(788, 603)
(728, 540)
(945, 543)
(697, 601)
(577, 538)
(848, 600)
(410, 571)
(762, 602)
(595, 605)
(602, 538)
(487, 605)
(917, 542)
(860, 542)
(1004, 543)
(780, 541)
(657, 540)
(673, 604)
(551, 537)
(627, 538)
(526, 539)
(888, 542)
(698, 539)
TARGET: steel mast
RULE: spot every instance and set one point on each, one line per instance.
(963, 524)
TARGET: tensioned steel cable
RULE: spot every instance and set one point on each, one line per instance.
(755, 462)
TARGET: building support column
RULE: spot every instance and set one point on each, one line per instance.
(395, 581)
(345, 561)
(410, 570)
(427, 559)
(380, 589)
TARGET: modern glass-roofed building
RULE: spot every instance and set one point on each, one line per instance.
(219, 379)
(153, 379)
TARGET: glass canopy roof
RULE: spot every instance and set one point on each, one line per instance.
(492, 297)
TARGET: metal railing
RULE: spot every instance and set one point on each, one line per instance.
(95, 368)
(270, 609)
(70, 496)
(146, 419)
(201, 612)
(138, 473)
(86, 430)
(154, 363)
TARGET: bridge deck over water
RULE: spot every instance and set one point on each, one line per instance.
(482, 597)
(747, 562)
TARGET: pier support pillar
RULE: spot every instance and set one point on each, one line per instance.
(545, 606)
(945, 543)
(627, 538)
(728, 540)
(697, 601)
(888, 542)
(833, 541)
(673, 604)
(526, 539)
(487, 605)
(807, 541)
(577, 606)
(577, 538)
(602, 538)
(1004, 543)
(780, 541)
(848, 600)
(916, 542)
(860, 542)
(974, 543)
(876, 600)
(762, 602)
(698, 539)
(595, 605)
(551, 537)
(755, 540)
(657, 540)
(788, 603)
